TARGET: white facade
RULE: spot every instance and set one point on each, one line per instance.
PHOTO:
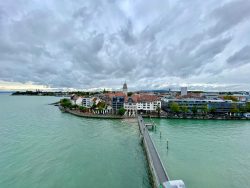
(183, 91)
(148, 106)
(130, 106)
(87, 102)
(131, 109)
(79, 101)
(144, 106)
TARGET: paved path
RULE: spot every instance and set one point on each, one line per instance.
(161, 174)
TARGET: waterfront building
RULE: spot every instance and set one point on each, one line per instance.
(107, 98)
(95, 100)
(248, 99)
(117, 103)
(190, 95)
(78, 101)
(189, 103)
(87, 102)
(220, 106)
(210, 95)
(183, 91)
(130, 106)
(225, 106)
(142, 103)
(241, 97)
(73, 98)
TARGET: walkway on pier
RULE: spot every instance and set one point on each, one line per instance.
(159, 172)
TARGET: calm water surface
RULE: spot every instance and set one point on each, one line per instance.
(205, 154)
(44, 148)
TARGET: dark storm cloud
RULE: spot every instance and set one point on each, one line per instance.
(229, 15)
(90, 44)
(127, 33)
(240, 57)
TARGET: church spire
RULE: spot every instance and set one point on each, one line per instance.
(125, 88)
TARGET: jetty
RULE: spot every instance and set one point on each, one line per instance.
(159, 174)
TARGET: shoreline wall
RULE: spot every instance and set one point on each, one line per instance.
(195, 118)
(80, 114)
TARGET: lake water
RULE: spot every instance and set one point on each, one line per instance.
(40, 147)
(44, 148)
(205, 153)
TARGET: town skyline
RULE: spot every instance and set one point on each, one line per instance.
(42, 88)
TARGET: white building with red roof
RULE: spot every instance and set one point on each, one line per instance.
(141, 103)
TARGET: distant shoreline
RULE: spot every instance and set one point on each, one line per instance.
(37, 93)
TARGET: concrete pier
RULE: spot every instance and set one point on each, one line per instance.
(160, 177)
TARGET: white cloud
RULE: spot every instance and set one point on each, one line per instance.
(93, 43)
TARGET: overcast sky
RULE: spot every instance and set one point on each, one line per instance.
(150, 44)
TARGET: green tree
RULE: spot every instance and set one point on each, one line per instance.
(74, 106)
(93, 106)
(121, 111)
(158, 109)
(184, 109)
(194, 110)
(235, 109)
(248, 107)
(66, 103)
(204, 109)
(174, 107)
(101, 105)
(212, 110)
(230, 97)
(243, 109)
(82, 108)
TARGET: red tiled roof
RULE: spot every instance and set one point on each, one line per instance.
(143, 98)
(116, 94)
(120, 94)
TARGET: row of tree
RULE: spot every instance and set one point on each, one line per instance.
(176, 108)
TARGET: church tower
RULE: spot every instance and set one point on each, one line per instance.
(125, 88)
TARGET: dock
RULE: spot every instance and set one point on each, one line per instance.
(159, 174)
(157, 169)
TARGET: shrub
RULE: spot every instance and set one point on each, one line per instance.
(82, 108)
(174, 107)
(65, 103)
(121, 111)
